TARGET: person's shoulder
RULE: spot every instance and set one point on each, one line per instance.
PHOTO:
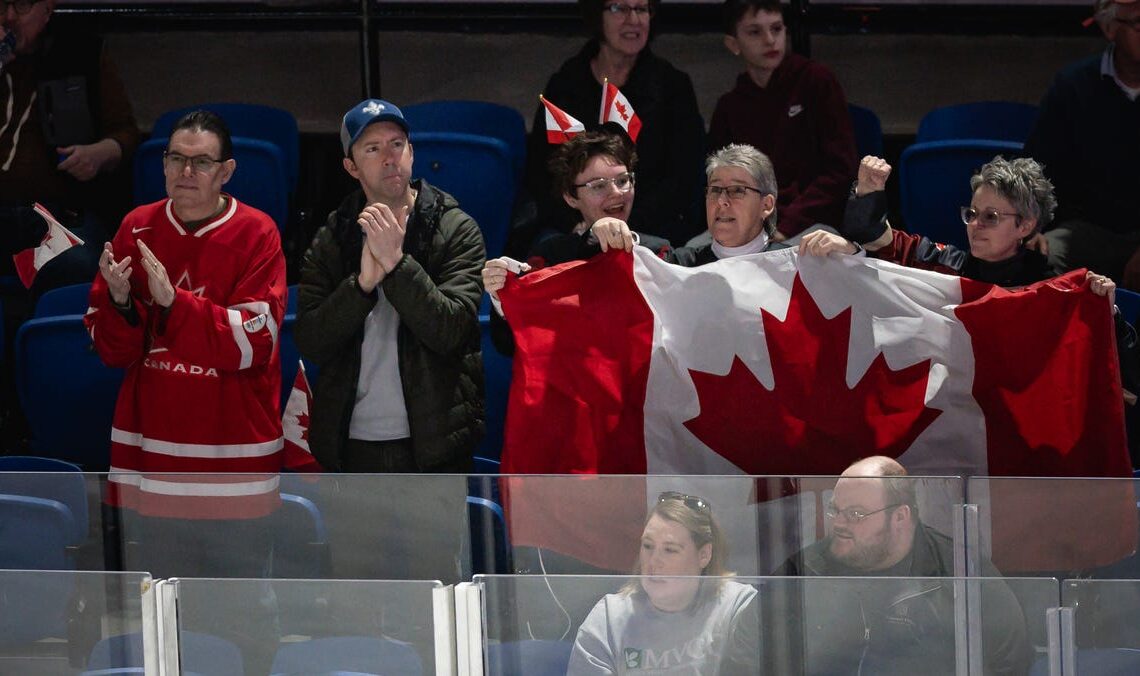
(1085, 69)
(572, 68)
(734, 589)
(806, 562)
(650, 64)
(817, 71)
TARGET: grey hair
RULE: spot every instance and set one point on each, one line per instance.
(756, 163)
(1021, 181)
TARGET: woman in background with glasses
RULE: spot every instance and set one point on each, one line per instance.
(671, 138)
(665, 624)
(1012, 201)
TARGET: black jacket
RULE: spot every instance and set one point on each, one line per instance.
(889, 626)
(435, 288)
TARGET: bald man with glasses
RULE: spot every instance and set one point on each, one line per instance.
(884, 627)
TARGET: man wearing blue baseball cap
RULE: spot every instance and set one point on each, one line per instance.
(389, 293)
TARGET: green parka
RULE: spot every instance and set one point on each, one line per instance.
(435, 288)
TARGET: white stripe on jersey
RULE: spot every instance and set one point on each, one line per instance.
(147, 483)
(261, 308)
(216, 451)
(241, 339)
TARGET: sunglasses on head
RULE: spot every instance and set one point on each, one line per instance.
(690, 501)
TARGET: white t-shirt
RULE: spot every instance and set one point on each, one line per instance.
(380, 413)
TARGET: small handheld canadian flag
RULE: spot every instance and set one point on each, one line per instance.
(57, 240)
(617, 109)
(560, 126)
(295, 424)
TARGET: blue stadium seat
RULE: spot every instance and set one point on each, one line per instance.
(1129, 304)
(300, 540)
(522, 658)
(34, 534)
(65, 300)
(198, 654)
(490, 550)
(355, 654)
(49, 479)
(71, 421)
(994, 120)
(934, 182)
(249, 120)
(477, 171)
(497, 386)
(868, 131)
(260, 179)
(480, 118)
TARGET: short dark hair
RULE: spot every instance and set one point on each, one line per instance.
(734, 10)
(571, 158)
(204, 120)
(591, 11)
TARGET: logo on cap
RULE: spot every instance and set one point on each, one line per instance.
(373, 108)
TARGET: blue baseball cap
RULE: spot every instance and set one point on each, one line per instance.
(365, 113)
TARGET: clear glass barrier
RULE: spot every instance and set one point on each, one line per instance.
(1065, 527)
(342, 526)
(67, 622)
(813, 625)
(306, 626)
(1105, 624)
(591, 524)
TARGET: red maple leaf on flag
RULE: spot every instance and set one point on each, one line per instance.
(621, 110)
(303, 423)
(811, 422)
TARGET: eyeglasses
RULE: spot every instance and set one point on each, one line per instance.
(735, 193)
(22, 6)
(691, 501)
(601, 186)
(642, 11)
(852, 514)
(177, 163)
(989, 217)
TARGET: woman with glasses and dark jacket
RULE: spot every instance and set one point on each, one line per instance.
(1012, 200)
(671, 140)
(683, 615)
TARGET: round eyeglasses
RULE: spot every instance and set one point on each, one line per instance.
(988, 218)
(601, 186)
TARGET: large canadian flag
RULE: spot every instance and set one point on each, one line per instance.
(560, 126)
(616, 108)
(57, 240)
(772, 364)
